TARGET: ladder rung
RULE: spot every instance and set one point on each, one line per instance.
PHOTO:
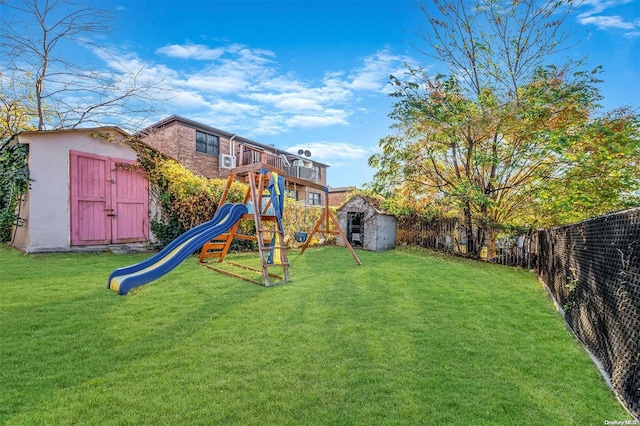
(211, 255)
(214, 246)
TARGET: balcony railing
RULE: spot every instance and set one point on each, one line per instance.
(252, 156)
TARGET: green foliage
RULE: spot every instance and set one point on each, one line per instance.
(17, 106)
(297, 216)
(166, 231)
(601, 173)
(186, 199)
(14, 183)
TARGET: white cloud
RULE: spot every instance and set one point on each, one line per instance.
(245, 90)
(332, 152)
(191, 51)
(606, 22)
(234, 108)
(214, 82)
(327, 118)
(595, 15)
(129, 64)
(598, 6)
(374, 75)
(268, 124)
(188, 99)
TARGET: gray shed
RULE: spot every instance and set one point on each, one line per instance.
(366, 225)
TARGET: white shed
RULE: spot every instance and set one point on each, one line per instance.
(366, 225)
(87, 193)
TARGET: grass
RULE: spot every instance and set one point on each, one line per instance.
(406, 338)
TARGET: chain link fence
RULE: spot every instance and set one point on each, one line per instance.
(592, 270)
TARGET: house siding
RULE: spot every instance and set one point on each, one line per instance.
(338, 196)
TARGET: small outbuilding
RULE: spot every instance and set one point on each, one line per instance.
(87, 192)
(366, 225)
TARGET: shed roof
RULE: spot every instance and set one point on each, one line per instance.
(374, 202)
(95, 131)
(75, 130)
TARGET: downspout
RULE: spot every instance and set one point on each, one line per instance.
(231, 146)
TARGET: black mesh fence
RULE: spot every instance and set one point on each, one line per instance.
(592, 269)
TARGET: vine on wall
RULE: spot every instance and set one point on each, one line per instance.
(14, 183)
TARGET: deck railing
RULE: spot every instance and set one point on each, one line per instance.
(252, 156)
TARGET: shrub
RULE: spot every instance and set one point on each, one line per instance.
(186, 199)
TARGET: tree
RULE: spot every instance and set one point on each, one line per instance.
(16, 108)
(494, 44)
(36, 41)
(491, 135)
(601, 173)
(483, 158)
(16, 115)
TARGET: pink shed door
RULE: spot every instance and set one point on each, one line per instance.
(109, 200)
(130, 201)
(90, 199)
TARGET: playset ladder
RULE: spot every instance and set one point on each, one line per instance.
(269, 240)
(267, 245)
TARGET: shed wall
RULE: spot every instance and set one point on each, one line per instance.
(386, 233)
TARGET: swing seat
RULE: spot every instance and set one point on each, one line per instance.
(299, 236)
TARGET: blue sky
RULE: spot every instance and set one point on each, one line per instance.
(313, 74)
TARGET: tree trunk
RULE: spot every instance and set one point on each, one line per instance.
(468, 223)
(491, 250)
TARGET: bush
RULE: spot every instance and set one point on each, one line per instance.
(186, 199)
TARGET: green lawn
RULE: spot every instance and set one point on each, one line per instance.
(407, 338)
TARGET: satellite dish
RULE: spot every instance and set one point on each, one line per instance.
(307, 153)
(300, 151)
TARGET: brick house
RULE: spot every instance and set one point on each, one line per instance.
(214, 153)
(338, 196)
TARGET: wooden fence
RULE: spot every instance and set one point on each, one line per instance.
(449, 235)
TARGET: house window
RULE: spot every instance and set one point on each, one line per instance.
(206, 143)
(314, 199)
(317, 169)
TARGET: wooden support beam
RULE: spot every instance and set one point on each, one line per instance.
(327, 215)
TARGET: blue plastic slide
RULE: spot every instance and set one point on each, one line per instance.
(124, 279)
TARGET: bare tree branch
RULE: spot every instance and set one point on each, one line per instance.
(69, 93)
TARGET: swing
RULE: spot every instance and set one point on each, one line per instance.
(300, 236)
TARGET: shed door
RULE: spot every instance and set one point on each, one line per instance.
(109, 200)
(130, 203)
(355, 228)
